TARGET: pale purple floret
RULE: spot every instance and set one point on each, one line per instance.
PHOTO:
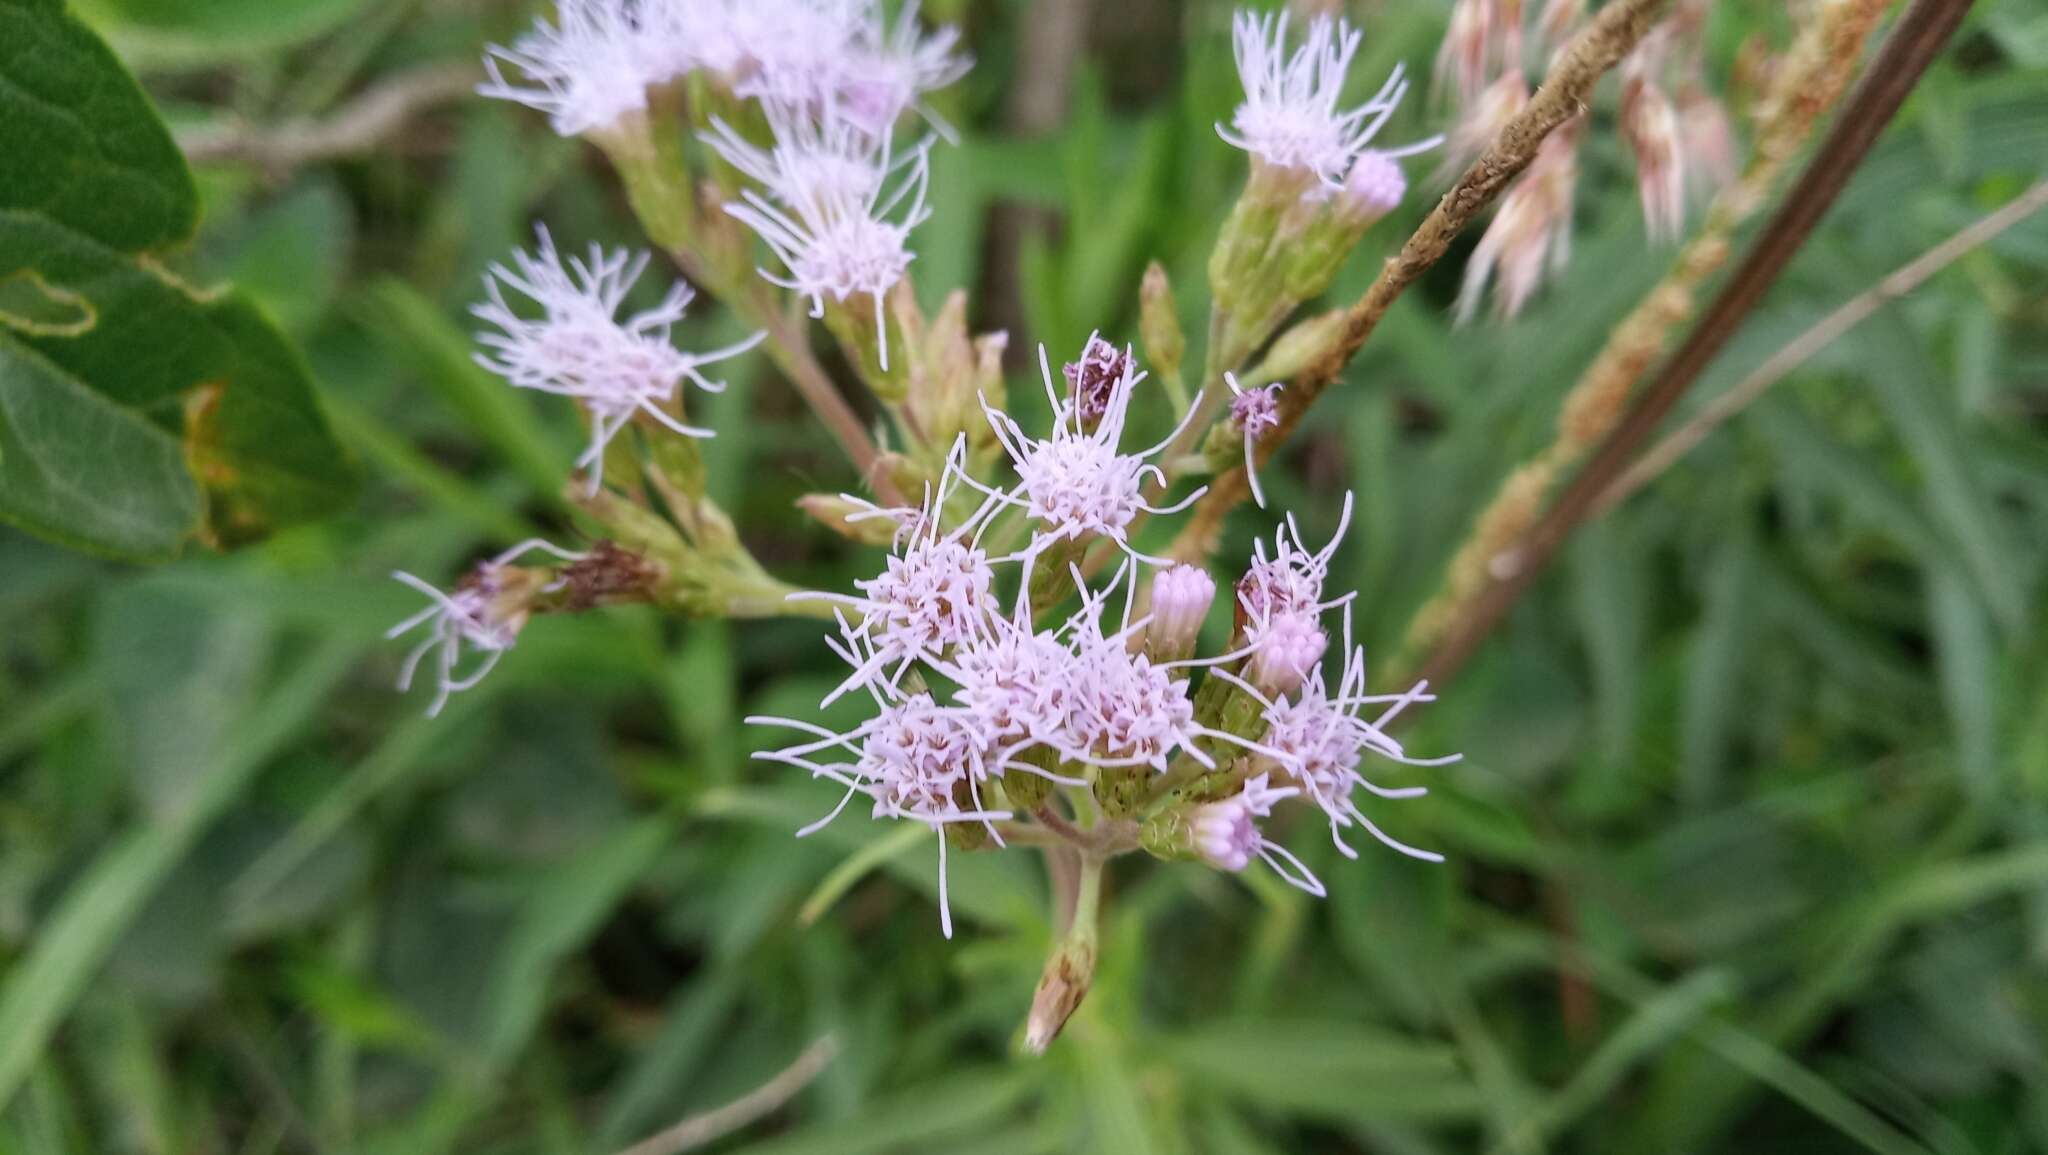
(1227, 836)
(578, 347)
(1290, 117)
(827, 208)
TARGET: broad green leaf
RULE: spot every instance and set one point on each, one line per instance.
(83, 149)
(92, 191)
(84, 472)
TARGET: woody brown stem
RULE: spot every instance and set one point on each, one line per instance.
(1912, 45)
(1817, 69)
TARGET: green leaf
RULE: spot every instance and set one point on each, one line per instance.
(83, 148)
(83, 471)
(92, 190)
(1712, 706)
(959, 1105)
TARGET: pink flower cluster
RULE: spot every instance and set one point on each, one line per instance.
(973, 686)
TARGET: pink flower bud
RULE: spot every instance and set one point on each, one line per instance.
(1181, 597)
(1375, 186)
(1288, 648)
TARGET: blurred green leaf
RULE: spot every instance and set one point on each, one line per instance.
(91, 191)
(85, 472)
(72, 943)
(957, 1107)
(196, 32)
(1330, 1070)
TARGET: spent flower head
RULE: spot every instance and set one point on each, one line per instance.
(484, 612)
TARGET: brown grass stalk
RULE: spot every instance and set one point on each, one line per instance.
(1912, 45)
(1817, 69)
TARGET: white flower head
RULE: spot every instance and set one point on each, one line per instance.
(472, 616)
(891, 66)
(1129, 710)
(1226, 834)
(1077, 483)
(1022, 683)
(587, 70)
(791, 51)
(1325, 735)
(578, 347)
(1290, 117)
(915, 759)
(934, 594)
(827, 210)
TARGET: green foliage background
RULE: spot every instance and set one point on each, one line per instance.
(1747, 850)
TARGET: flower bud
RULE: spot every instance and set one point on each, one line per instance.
(866, 335)
(1289, 646)
(1372, 189)
(1181, 598)
(849, 517)
(1159, 322)
(1248, 235)
(1302, 346)
(1223, 834)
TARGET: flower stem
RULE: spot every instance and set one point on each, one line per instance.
(1071, 969)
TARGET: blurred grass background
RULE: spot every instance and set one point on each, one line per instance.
(1746, 851)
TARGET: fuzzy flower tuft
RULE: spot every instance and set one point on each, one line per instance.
(1290, 117)
(1077, 483)
(587, 71)
(826, 208)
(579, 348)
